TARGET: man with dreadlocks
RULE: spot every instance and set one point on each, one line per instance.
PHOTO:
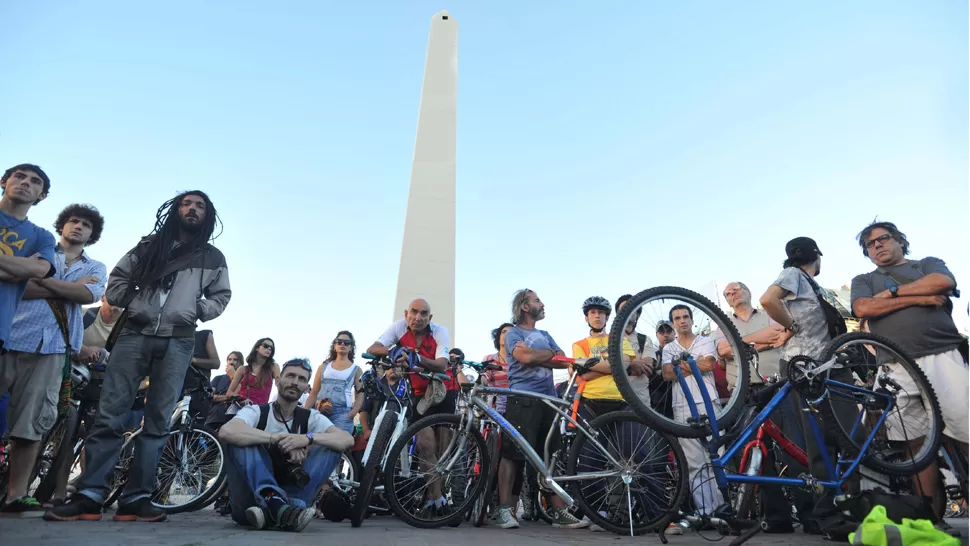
(169, 281)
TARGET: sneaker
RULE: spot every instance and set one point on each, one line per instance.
(25, 507)
(78, 507)
(257, 517)
(506, 520)
(778, 527)
(140, 510)
(562, 519)
(294, 519)
(674, 529)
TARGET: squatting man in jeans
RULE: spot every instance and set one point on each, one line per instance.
(279, 455)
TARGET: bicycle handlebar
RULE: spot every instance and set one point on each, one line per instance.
(581, 365)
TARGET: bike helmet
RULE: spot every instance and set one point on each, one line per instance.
(80, 376)
(596, 302)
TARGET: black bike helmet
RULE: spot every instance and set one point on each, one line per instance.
(596, 302)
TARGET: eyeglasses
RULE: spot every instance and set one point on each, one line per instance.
(343, 342)
(882, 239)
(265, 345)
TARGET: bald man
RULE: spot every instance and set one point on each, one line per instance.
(415, 333)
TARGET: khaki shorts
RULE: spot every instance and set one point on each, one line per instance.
(948, 376)
(34, 382)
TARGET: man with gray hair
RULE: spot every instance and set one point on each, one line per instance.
(767, 337)
(530, 353)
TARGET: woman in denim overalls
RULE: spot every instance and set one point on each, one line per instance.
(337, 391)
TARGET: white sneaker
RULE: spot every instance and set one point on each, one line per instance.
(506, 520)
(674, 529)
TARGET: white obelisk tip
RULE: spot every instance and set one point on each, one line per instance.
(443, 15)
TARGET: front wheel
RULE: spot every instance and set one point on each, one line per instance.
(648, 484)
(191, 471)
(714, 334)
(435, 458)
(372, 467)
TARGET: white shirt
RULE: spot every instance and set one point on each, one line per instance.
(250, 416)
(398, 328)
(700, 348)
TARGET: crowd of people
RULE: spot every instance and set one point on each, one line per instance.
(145, 337)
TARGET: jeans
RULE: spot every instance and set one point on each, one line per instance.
(250, 471)
(164, 361)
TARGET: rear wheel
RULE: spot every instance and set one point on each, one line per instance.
(875, 374)
(480, 510)
(191, 471)
(65, 450)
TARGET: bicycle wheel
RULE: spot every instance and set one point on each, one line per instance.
(191, 470)
(372, 467)
(651, 480)
(64, 453)
(896, 389)
(709, 326)
(480, 509)
(411, 476)
(119, 477)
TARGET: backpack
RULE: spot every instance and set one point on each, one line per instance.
(301, 419)
(833, 318)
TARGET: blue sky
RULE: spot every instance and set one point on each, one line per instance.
(601, 150)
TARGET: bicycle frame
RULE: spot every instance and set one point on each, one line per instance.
(548, 480)
(836, 473)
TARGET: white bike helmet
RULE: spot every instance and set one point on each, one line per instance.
(80, 376)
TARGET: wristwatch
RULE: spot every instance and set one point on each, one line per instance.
(894, 290)
(794, 328)
(309, 436)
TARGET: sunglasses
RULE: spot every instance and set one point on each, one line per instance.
(301, 363)
(883, 239)
(266, 346)
(342, 342)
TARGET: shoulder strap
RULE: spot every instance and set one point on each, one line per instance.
(642, 340)
(301, 420)
(263, 416)
(90, 316)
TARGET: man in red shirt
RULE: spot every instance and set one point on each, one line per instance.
(428, 343)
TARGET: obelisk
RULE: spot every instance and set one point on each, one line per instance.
(428, 252)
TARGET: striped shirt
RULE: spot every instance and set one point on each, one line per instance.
(35, 329)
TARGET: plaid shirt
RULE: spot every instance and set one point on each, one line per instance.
(35, 329)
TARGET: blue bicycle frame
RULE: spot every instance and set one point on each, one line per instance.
(838, 473)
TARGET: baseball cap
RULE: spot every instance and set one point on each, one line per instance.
(664, 323)
(802, 247)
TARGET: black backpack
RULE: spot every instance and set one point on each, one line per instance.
(833, 318)
(301, 419)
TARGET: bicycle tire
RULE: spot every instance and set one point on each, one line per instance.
(373, 466)
(480, 509)
(680, 463)
(210, 494)
(850, 446)
(394, 455)
(71, 421)
(729, 412)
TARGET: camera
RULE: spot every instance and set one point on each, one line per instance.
(295, 475)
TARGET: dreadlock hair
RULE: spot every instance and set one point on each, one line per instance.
(85, 212)
(159, 245)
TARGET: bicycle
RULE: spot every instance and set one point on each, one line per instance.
(841, 376)
(192, 463)
(390, 422)
(629, 490)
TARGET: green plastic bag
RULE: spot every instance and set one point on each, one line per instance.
(879, 530)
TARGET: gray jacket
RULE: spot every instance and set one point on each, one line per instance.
(200, 291)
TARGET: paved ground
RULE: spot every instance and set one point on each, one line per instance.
(208, 528)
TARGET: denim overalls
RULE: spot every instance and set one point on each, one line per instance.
(336, 390)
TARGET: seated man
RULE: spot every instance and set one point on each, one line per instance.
(279, 455)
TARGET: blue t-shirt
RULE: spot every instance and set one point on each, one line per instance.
(536, 379)
(24, 239)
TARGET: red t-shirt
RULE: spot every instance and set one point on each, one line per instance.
(433, 346)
